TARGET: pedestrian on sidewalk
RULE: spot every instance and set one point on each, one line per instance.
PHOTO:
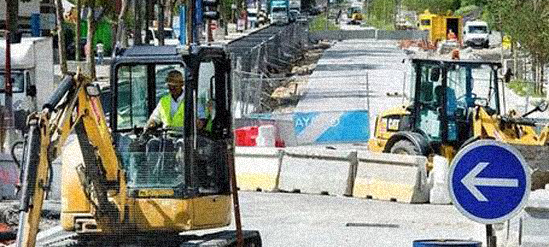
(100, 51)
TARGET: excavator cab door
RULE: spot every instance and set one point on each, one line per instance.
(212, 134)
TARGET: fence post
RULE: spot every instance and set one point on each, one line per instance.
(353, 168)
(277, 180)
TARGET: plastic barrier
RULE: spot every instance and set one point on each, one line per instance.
(394, 177)
(256, 168)
(266, 136)
(439, 193)
(246, 136)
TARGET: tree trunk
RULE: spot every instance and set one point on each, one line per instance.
(12, 6)
(169, 12)
(78, 56)
(120, 29)
(161, 5)
(515, 60)
(61, 37)
(138, 22)
(90, 58)
(149, 8)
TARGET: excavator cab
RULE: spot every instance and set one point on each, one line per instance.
(174, 162)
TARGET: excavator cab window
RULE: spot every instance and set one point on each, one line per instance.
(154, 161)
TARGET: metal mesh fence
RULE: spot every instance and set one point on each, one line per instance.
(260, 63)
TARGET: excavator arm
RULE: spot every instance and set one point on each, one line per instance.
(74, 106)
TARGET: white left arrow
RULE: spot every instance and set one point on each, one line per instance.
(471, 181)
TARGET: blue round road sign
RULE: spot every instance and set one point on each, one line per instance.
(489, 181)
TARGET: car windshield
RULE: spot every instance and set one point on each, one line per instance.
(478, 29)
(279, 9)
(18, 82)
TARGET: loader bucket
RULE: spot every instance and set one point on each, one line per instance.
(537, 158)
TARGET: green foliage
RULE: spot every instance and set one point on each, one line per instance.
(469, 10)
(382, 13)
(524, 88)
(380, 24)
(527, 21)
(318, 23)
(434, 6)
(473, 2)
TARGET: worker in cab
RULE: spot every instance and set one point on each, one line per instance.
(170, 110)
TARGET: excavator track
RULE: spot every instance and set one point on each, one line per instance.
(62, 238)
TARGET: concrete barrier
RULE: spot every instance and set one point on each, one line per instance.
(401, 178)
(315, 172)
(368, 34)
(256, 167)
(533, 230)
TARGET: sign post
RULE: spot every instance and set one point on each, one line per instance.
(489, 182)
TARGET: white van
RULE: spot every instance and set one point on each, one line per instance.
(475, 34)
(169, 36)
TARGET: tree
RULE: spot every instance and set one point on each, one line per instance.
(78, 56)
(161, 5)
(434, 6)
(96, 9)
(527, 22)
(138, 24)
(12, 8)
(61, 37)
(121, 27)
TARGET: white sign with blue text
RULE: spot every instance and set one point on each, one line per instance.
(489, 181)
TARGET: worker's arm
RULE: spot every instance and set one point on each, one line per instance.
(155, 119)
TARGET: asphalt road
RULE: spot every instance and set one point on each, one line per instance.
(316, 220)
(353, 70)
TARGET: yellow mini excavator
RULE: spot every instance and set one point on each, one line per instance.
(454, 103)
(134, 187)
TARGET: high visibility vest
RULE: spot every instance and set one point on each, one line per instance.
(168, 120)
(209, 120)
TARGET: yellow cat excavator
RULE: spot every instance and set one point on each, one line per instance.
(454, 103)
(130, 186)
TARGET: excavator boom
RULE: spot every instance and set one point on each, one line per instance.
(68, 107)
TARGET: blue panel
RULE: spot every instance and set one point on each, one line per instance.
(352, 127)
(302, 120)
(35, 24)
(182, 24)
